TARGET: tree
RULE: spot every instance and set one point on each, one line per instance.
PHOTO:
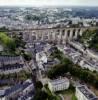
(7, 41)
(75, 70)
(40, 95)
(27, 56)
(90, 39)
(39, 85)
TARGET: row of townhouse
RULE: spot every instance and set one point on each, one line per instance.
(18, 91)
(83, 93)
(11, 64)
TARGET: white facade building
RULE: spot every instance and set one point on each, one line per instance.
(1, 48)
(41, 56)
(83, 93)
(59, 84)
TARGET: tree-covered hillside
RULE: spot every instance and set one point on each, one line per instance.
(90, 39)
(6, 41)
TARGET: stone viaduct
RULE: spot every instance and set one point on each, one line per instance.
(60, 35)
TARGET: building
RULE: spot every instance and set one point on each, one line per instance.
(12, 68)
(5, 60)
(59, 84)
(1, 48)
(50, 64)
(78, 55)
(7, 94)
(11, 64)
(2, 94)
(27, 92)
(17, 91)
(41, 57)
(83, 93)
